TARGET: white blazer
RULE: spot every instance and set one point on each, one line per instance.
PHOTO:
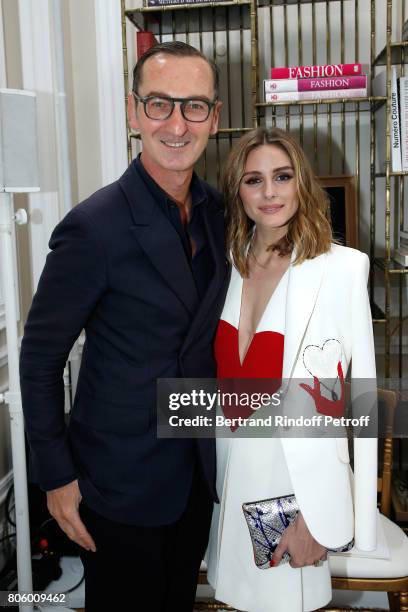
(326, 299)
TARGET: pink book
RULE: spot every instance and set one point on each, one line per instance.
(329, 70)
(347, 82)
(288, 96)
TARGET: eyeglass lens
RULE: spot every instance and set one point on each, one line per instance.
(162, 108)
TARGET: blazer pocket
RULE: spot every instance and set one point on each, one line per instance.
(343, 450)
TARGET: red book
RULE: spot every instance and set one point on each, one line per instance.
(144, 40)
(329, 70)
(344, 82)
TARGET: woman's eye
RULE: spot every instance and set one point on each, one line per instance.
(283, 177)
(252, 180)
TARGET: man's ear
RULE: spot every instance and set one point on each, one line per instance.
(215, 117)
(132, 112)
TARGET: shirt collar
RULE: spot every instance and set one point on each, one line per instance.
(198, 193)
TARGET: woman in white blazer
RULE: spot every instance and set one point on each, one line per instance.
(296, 308)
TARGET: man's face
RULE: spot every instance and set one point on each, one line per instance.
(173, 144)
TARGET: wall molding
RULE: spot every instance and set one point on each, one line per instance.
(109, 60)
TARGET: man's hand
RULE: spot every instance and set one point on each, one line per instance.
(63, 504)
(300, 544)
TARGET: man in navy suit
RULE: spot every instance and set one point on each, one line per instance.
(140, 266)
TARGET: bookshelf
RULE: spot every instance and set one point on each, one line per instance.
(341, 137)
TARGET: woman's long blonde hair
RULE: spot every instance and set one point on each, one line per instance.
(309, 231)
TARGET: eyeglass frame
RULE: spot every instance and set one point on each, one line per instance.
(182, 101)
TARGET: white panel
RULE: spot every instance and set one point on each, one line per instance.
(110, 89)
(36, 53)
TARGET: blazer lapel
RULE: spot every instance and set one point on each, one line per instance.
(159, 239)
(303, 289)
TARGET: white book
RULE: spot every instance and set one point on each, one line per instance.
(401, 256)
(379, 88)
(396, 163)
(403, 83)
(289, 96)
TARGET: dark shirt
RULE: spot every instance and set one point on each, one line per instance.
(201, 263)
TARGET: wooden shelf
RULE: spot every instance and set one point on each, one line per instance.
(392, 266)
(382, 174)
(347, 105)
(398, 49)
(192, 18)
(377, 314)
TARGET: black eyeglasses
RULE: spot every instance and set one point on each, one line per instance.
(161, 107)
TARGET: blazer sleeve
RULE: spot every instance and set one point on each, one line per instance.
(364, 396)
(73, 280)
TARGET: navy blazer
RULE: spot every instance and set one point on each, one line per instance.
(117, 269)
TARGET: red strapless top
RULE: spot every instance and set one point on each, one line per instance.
(264, 357)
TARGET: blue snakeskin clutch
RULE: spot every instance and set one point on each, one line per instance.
(267, 520)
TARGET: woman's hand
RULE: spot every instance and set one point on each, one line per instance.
(300, 544)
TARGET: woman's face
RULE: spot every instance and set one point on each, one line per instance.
(268, 188)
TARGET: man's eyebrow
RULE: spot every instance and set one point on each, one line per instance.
(281, 169)
(161, 94)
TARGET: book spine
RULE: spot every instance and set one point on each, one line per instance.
(351, 82)
(144, 41)
(296, 96)
(403, 82)
(326, 70)
(395, 124)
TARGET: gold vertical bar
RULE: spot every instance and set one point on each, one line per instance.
(314, 46)
(126, 76)
(300, 63)
(230, 96)
(356, 32)
(342, 32)
(357, 106)
(316, 161)
(241, 64)
(343, 136)
(200, 27)
(188, 28)
(343, 106)
(400, 338)
(271, 35)
(217, 138)
(357, 132)
(285, 39)
(285, 33)
(254, 61)
(315, 108)
(329, 109)
(372, 151)
(387, 279)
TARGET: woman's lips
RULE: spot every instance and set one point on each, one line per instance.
(271, 209)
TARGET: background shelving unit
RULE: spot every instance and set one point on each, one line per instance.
(341, 137)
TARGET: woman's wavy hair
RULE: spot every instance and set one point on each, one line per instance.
(309, 231)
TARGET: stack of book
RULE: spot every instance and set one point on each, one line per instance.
(315, 82)
(398, 116)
